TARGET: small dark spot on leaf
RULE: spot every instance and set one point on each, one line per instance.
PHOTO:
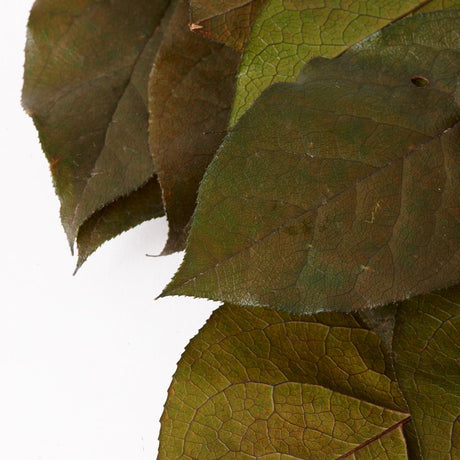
(419, 81)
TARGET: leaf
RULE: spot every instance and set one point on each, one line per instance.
(85, 85)
(427, 364)
(227, 22)
(381, 320)
(340, 191)
(287, 34)
(190, 95)
(256, 382)
(117, 217)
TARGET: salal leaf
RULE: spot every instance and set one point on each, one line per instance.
(115, 218)
(288, 33)
(228, 21)
(85, 85)
(257, 383)
(340, 191)
(190, 94)
(427, 364)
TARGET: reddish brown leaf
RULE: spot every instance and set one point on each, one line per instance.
(190, 94)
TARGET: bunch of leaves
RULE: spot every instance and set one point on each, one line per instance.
(320, 143)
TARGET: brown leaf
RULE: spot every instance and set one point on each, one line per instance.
(190, 94)
(85, 85)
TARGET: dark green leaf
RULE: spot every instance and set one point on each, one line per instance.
(85, 85)
(117, 217)
(257, 383)
(427, 364)
(287, 34)
(190, 94)
(340, 191)
(228, 21)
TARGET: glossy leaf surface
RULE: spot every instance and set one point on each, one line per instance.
(287, 34)
(225, 21)
(340, 191)
(257, 383)
(427, 363)
(191, 90)
(85, 85)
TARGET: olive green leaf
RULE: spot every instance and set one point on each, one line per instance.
(190, 95)
(257, 382)
(340, 191)
(85, 85)
(288, 33)
(126, 212)
(427, 364)
(228, 21)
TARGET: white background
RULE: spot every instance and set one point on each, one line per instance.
(85, 361)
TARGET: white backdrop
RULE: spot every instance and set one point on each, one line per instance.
(85, 361)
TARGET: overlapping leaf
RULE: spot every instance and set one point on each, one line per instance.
(139, 206)
(190, 95)
(226, 21)
(85, 85)
(340, 191)
(287, 34)
(255, 382)
(427, 364)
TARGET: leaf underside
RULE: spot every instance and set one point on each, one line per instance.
(427, 365)
(191, 88)
(256, 383)
(339, 191)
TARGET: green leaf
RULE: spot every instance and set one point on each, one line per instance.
(256, 382)
(226, 22)
(85, 85)
(427, 364)
(191, 90)
(340, 191)
(288, 33)
(125, 213)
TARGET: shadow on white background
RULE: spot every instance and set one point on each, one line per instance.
(85, 361)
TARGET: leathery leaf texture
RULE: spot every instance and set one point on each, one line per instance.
(225, 21)
(137, 207)
(339, 191)
(288, 33)
(191, 89)
(427, 364)
(260, 383)
(85, 85)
